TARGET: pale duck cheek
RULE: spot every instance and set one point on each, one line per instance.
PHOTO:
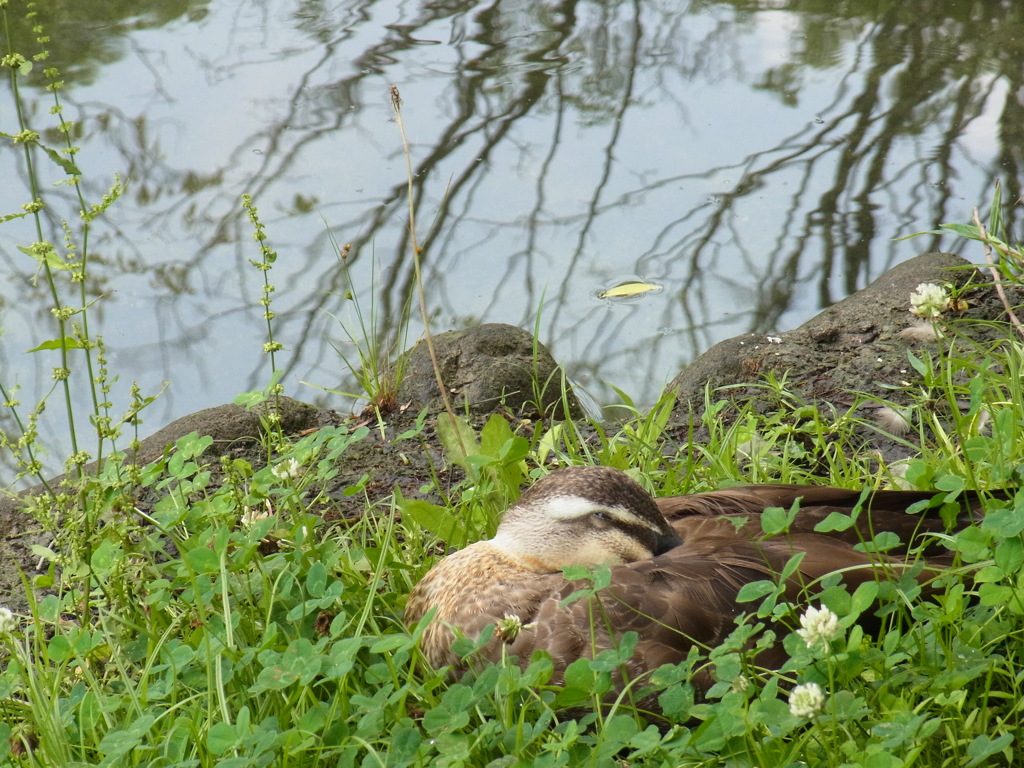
(593, 553)
(632, 550)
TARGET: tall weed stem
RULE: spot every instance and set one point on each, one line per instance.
(396, 104)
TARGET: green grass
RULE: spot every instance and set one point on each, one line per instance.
(203, 614)
(229, 625)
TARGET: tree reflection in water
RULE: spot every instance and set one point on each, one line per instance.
(755, 159)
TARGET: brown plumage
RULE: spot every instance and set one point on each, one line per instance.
(677, 564)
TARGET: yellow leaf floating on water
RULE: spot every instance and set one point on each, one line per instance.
(629, 290)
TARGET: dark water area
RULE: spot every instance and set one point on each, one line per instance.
(755, 160)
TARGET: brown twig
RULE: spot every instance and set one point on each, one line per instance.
(995, 274)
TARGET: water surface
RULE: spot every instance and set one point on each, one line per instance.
(755, 160)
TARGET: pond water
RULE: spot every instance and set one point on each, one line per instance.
(756, 161)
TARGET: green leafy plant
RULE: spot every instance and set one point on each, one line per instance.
(64, 270)
(778, 437)
(1004, 260)
(378, 365)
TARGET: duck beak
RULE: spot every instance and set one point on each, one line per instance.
(663, 542)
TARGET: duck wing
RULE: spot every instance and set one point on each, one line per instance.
(878, 510)
(682, 599)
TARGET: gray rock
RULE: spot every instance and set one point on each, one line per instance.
(483, 368)
(826, 355)
(227, 424)
(854, 348)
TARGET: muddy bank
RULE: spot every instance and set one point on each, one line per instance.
(859, 345)
(854, 354)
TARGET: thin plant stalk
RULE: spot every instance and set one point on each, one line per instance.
(996, 279)
(396, 104)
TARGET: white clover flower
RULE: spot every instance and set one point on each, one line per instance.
(252, 516)
(509, 627)
(8, 621)
(740, 684)
(806, 700)
(287, 470)
(818, 625)
(929, 301)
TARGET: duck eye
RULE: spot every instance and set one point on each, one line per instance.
(601, 517)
